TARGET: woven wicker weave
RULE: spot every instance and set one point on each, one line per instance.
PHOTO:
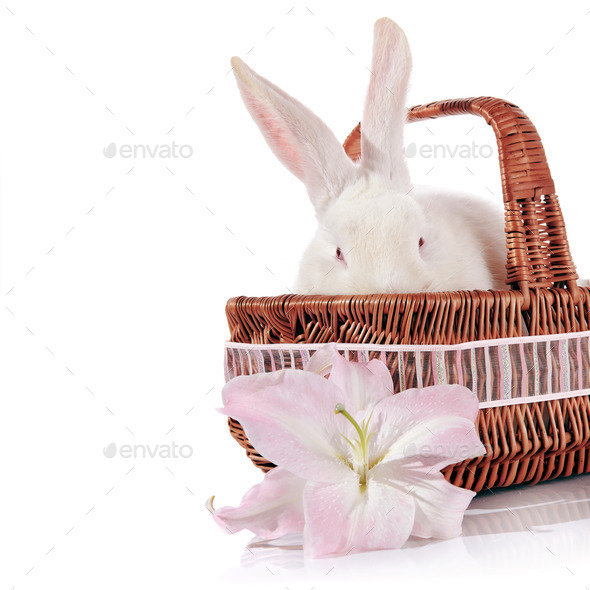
(528, 442)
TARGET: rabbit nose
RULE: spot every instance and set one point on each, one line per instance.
(406, 280)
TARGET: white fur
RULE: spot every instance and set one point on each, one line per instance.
(369, 211)
(300, 139)
(463, 243)
(384, 115)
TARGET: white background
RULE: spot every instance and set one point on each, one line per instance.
(114, 272)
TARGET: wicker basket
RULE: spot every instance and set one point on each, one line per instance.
(532, 336)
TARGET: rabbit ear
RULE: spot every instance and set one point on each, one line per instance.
(301, 141)
(384, 116)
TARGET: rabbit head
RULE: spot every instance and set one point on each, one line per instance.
(373, 235)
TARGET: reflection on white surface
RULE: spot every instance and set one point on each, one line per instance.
(543, 530)
(536, 523)
(522, 507)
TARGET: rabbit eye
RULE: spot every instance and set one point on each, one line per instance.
(420, 242)
(339, 254)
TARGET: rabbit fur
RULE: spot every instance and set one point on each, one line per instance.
(377, 233)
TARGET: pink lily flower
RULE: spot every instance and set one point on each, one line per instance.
(358, 468)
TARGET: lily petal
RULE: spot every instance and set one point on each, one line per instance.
(289, 418)
(440, 505)
(342, 518)
(434, 425)
(269, 509)
(363, 384)
(322, 359)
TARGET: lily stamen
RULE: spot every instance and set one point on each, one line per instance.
(362, 443)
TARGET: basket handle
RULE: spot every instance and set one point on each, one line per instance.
(538, 254)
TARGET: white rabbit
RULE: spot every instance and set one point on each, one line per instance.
(376, 233)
